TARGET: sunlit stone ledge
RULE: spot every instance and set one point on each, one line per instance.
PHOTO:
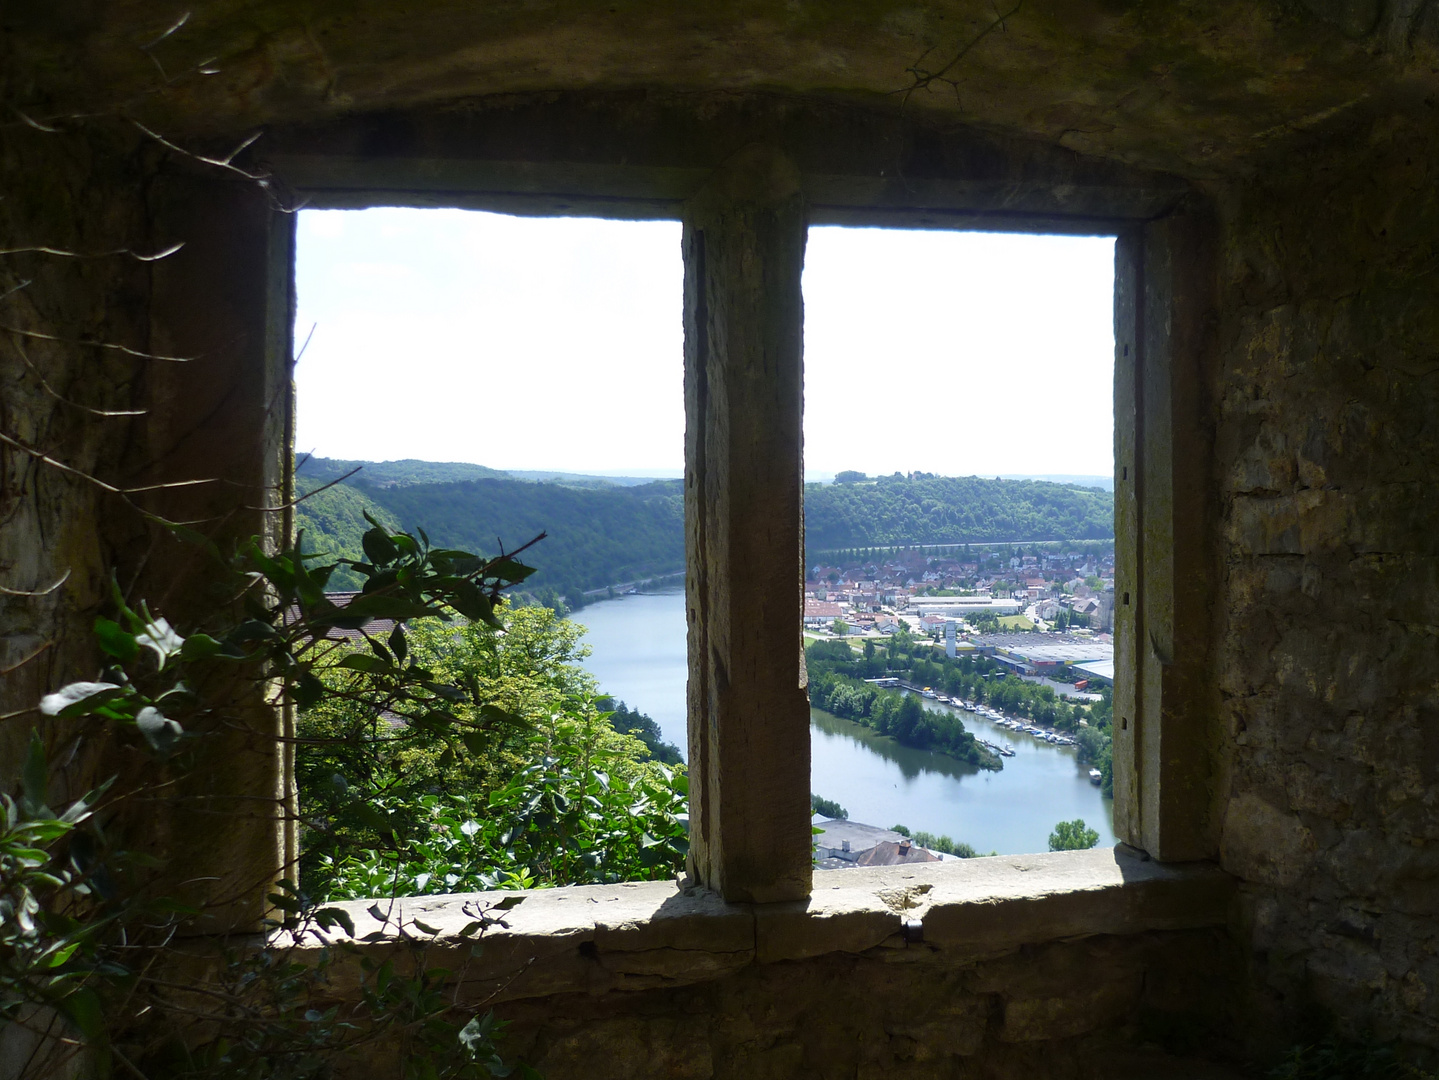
(641, 935)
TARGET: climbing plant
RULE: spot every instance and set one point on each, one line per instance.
(88, 953)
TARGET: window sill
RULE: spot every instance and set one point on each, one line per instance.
(642, 935)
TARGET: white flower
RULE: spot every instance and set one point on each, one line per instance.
(161, 638)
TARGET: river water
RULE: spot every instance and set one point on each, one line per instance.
(638, 655)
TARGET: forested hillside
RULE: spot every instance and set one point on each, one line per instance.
(596, 536)
(952, 509)
(599, 536)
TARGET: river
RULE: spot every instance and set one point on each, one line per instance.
(638, 655)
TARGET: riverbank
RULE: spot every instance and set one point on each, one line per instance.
(638, 645)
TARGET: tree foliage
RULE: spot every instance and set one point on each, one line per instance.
(542, 789)
(952, 509)
(1072, 836)
(901, 716)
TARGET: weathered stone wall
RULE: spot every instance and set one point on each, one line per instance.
(1067, 964)
(79, 198)
(1328, 621)
(136, 388)
(1104, 1006)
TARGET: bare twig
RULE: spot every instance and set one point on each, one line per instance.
(309, 494)
(31, 122)
(32, 592)
(103, 413)
(149, 45)
(226, 162)
(16, 288)
(307, 342)
(43, 250)
(25, 660)
(122, 493)
(40, 336)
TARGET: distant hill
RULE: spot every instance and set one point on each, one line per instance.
(1105, 482)
(952, 509)
(597, 535)
(381, 474)
(541, 476)
(603, 534)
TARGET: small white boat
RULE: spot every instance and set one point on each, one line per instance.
(1095, 777)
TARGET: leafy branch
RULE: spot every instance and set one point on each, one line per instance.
(81, 933)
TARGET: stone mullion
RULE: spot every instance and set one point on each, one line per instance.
(223, 301)
(1164, 699)
(744, 243)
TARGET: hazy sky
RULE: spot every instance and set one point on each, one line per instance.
(557, 343)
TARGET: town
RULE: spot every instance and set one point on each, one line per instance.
(1039, 609)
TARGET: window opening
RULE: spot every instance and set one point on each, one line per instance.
(959, 588)
(493, 378)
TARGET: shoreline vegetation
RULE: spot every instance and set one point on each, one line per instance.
(837, 675)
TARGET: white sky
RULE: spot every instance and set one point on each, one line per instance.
(557, 343)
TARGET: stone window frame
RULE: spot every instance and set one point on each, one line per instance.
(746, 180)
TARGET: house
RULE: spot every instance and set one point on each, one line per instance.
(820, 612)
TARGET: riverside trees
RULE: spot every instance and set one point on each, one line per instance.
(836, 684)
(541, 790)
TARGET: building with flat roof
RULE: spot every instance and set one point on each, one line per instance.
(1098, 671)
(964, 605)
(1035, 654)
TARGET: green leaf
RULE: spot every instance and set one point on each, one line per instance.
(78, 698)
(363, 662)
(332, 915)
(509, 570)
(379, 548)
(82, 1006)
(35, 777)
(62, 955)
(496, 715)
(398, 646)
(159, 730)
(307, 690)
(199, 647)
(474, 1036)
(115, 641)
(363, 608)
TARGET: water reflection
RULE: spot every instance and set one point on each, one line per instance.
(639, 655)
(911, 762)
